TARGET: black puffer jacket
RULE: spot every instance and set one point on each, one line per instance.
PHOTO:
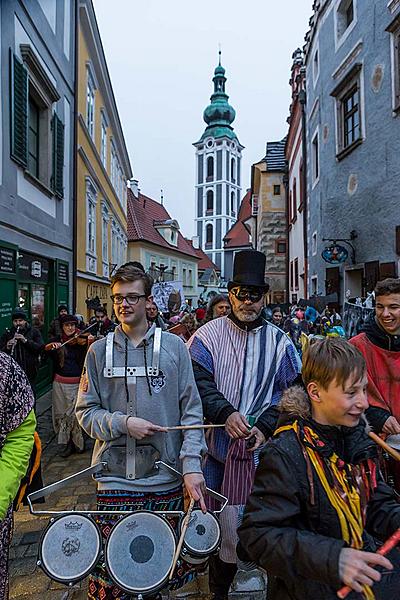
(298, 543)
(26, 354)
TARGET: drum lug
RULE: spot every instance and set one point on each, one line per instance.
(38, 562)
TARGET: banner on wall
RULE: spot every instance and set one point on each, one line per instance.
(169, 296)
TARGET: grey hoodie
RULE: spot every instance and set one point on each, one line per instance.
(101, 407)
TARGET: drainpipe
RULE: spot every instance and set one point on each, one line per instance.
(302, 100)
(74, 168)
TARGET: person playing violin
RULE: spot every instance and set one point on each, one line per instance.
(68, 359)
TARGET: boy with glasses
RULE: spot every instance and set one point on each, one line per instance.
(127, 414)
(242, 364)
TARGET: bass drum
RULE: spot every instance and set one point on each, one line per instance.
(202, 537)
(70, 548)
(139, 552)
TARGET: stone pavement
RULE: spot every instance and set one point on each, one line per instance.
(27, 581)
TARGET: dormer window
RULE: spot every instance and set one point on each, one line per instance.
(169, 230)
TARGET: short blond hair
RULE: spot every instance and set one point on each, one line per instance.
(332, 359)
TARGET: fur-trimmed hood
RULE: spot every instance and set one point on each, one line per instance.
(295, 403)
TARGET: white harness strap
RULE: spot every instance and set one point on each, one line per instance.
(131, 375)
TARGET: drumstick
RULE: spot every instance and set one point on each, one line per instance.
(384, 445)
(383, 550)
(180, 542)
(184, 427)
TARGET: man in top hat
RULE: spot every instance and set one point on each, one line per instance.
(24, 343)
(242, 364)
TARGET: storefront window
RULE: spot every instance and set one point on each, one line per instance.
(23, 297)
(37, 304)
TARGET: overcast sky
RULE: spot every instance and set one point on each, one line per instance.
(161, 55)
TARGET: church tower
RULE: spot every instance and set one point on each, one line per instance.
(218, 173)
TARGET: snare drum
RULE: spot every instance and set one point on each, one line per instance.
(70, 548)
(202, 537)
(140, 551)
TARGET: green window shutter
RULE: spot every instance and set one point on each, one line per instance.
(19, 110)
(57, 179)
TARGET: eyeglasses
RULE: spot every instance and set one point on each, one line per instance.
(131, 299)
(254, 295)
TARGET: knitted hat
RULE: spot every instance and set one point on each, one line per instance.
(68, 319)
(19, 313)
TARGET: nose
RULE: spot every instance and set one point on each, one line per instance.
(362, 400)
(386, 312)
(124, 302)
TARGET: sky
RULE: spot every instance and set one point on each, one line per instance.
(161, 55)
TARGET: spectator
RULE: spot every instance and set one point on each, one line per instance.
(24, 343)
(103, 325)
(277, 317)
(154, 316)
(186, 327)
(218, 306)
(17, 426)
(68, 363)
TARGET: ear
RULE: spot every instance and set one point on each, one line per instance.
(149, 301)
(313, 392)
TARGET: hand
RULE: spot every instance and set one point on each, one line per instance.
(91, 338)
(19, 336)
(259, 439)
(52, 346)
(196, 488)
(355, 570)
(140, 428)
(236, 426)
(391, 426)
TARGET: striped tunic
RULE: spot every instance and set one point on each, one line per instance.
(251, 369)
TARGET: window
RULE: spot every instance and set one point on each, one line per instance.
(291, 275)
(210, 168)
(210, 201)
(394, 29)
(315, 157)
(345, 19)
(209, 235)
(233, 203)
(314, 285)
(184, 280)
(348, 109)
(90, 90)
(233, 165)
(277, 190)
(296, 273)
(280, 247)
(37, 133)
(314, 243)
(294, 211)
(290, 207)
(104, 238)
(315, 66)
(91, 201)
(190, 281)
(33, 138)
(103, 147)
(301, 178)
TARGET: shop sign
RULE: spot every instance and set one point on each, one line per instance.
(93, 290)
(33, 268)
(335, 254)
(6, 309)
(7, 260)
(62, 273)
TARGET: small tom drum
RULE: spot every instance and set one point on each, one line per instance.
(202, 537)
(140, 551)
(70, 548)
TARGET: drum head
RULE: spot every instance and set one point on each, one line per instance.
(394, 441)
(203, 533)
(70, 548)
(140, 552)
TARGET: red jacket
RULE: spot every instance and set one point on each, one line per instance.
(383, 366)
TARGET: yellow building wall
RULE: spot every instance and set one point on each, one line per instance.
(87, 287)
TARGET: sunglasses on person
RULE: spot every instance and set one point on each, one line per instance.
(131, 299)
(252, 294)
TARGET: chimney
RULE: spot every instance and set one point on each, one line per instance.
(134, 185)
(195, 242)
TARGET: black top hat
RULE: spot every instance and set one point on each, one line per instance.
(249, 269)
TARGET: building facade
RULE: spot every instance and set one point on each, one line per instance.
(103, 169)
(155, 240)
(37, 65)
(218, 173)
(268, 180)
(296, 211)
(240, 236)
(353, 127)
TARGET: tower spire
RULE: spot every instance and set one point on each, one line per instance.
(219, 54)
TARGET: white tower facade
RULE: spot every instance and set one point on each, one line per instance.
(218, 173)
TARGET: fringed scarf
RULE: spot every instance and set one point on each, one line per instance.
(348, 487)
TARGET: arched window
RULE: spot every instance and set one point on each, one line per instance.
(233, 164)
(210, 200)
(210, 168)
(209, 234)
(232, 202)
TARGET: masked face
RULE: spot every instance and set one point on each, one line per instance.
(247, 302)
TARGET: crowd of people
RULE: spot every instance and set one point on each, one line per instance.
(289, 402)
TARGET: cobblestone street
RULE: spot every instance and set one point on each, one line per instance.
(29, 581)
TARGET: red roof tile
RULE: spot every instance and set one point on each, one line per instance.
(205, 261)
(142, 213)
(238, 235)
